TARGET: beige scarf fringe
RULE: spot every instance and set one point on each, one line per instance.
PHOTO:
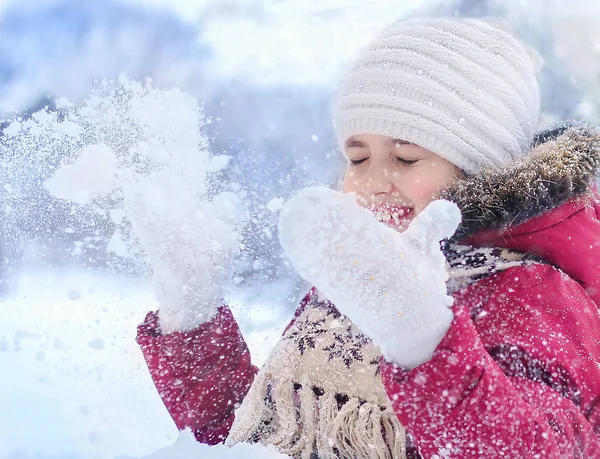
(359, 429)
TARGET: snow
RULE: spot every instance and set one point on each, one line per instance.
(187, 447)
(78, 386)
(76, 374)
(117, 245)
(70, 334)
(93, 172)
(218, 163)
(162, 172)
(275, 205)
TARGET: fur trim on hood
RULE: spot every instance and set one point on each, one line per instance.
(561, 166)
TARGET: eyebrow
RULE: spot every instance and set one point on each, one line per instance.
(354, 143)
(401, 142)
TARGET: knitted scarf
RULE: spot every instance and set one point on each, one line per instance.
(320, 395)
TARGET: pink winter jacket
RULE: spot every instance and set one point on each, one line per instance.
(517, 375)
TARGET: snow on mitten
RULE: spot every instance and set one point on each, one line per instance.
(391, 285)
(189, 245)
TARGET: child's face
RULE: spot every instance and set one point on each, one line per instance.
(394, 179)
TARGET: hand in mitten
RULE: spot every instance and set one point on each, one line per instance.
(190, 246)
(391, 285)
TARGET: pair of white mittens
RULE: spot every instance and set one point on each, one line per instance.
(391, 285)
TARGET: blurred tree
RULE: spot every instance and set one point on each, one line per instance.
(51, 49)
(280, 139)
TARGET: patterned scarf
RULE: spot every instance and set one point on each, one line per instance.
(320, 395)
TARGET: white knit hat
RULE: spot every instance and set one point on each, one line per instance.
(463, 88)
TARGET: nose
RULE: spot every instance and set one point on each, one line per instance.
(376, 181)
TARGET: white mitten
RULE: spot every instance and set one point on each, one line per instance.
(189, 244)
(391, 285)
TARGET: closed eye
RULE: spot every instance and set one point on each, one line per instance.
(406, 162)
(357, 162)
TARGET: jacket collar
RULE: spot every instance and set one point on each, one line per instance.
(561, 167)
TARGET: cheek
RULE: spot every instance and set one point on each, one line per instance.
(422, 191)
(422, 187)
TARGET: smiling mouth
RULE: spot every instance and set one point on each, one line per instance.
(391, 215)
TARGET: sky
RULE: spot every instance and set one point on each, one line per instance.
(292, 41)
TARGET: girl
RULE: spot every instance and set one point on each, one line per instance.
(486, 345)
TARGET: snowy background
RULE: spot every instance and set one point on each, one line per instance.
(73, 283)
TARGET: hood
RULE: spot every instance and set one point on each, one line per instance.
(546, 205)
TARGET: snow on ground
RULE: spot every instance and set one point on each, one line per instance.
(186, 447)
(75, 383)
